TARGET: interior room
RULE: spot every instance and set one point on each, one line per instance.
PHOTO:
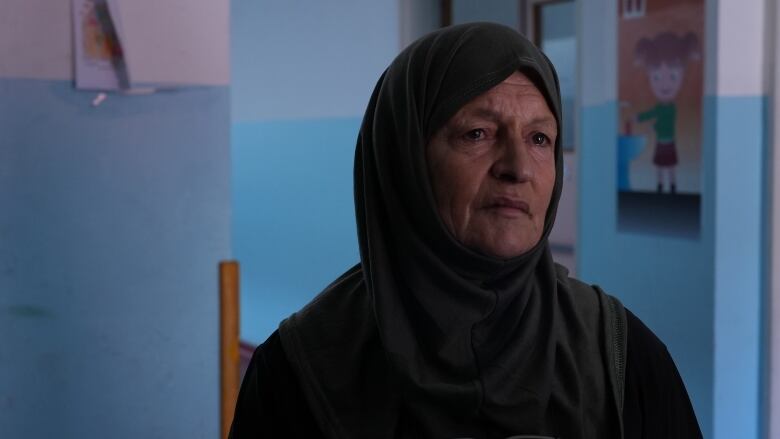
(177, 179)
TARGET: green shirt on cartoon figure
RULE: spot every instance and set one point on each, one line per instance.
(665, 115)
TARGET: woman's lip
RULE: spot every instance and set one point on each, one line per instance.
(509, 204)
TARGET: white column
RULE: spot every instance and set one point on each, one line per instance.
(774, 267)
(740, 146)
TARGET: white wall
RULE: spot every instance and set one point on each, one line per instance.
(308, 58)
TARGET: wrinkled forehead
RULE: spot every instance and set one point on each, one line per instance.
(526, 81)
(515, 96)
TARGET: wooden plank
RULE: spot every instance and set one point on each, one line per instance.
(445, 18)
(230, 361)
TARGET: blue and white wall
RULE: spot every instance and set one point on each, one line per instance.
(772, 312)
(741, 200)
(702, 297)
(112, 222)
(302, 75)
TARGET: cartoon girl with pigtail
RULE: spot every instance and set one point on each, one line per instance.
(665, 58)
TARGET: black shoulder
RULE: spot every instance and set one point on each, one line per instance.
(656, 402)
(270, 402)
(645, 343)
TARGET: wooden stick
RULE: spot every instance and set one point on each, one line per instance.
(445, 14)
(229, 341)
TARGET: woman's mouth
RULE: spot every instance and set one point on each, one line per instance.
(508, 206)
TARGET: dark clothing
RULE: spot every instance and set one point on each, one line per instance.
(656, 402)
(271, 403)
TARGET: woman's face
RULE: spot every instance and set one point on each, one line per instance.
(492, 169)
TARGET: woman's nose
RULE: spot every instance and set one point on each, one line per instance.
(512, 164)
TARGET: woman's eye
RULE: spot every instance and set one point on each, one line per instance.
(540, 139)
(476, 134)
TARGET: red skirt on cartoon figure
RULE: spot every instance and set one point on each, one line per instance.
(665, 154)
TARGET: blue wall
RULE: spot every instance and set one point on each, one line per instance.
(293, 215)
(739, 145)
(302, 75)
(702, 297)
(666, 282)
(308, 59)
(496, 11)
(113, 221)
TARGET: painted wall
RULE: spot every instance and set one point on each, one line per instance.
(741, 199)
(702, 297)
(417, 18)
(668, 283)
(293, 214)
(308, 59)
(112, 223)
(497, 11)
(772, 314)
(302, 75)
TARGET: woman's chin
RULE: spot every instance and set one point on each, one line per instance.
(505, 249)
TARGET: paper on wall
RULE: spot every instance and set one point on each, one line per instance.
(99, 58)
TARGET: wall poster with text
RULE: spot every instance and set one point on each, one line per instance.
(660, 90)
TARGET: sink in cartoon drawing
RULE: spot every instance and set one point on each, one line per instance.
(629, 148)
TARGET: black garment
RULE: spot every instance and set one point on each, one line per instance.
(272, 405)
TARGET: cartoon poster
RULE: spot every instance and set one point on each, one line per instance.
(660, 89)
(98, 53)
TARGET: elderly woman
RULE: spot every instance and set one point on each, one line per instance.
(457, 322)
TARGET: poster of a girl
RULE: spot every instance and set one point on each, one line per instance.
(664, 59)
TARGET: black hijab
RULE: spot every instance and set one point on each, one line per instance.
(425, 337)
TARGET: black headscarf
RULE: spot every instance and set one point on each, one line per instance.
(425, 337)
